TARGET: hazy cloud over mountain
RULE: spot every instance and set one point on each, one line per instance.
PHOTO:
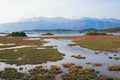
(59, 23)
(13, 10)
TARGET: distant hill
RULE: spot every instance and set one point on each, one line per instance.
(43, 23)
(117, 29)
(109, 30)
(89, 30)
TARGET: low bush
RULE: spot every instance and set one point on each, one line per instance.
(18, 34)
(96, 33)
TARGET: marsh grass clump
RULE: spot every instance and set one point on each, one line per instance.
(110, 57)
(68, 65)
(117, 58)
(97, 52)
(89, 69)
(55, 69)
(72, 44)
(73, 69)
(105, 78)
(88, 63)
(40, 73)
(97, 64)
(114, 68)
(78, 73)
(38, 70)
(45, 76)
(11, 74)
(78, 57)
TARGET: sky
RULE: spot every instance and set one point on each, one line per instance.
(14, 10)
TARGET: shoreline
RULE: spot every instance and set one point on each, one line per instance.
(110, 43)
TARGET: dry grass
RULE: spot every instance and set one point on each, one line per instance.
(68, 65)
(20, 41)
(89, 69)
(96, 64)
(55, 69)
(103, 43)
(96, 42)
(114, 68)
(78, 73)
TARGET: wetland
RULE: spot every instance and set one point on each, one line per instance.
(60, 58)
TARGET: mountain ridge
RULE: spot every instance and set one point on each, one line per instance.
(60, 23)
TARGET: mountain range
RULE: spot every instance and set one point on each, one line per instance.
(43, 23)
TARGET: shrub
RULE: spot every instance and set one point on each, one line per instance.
(47, 33)
(96, 33)
(19, 34)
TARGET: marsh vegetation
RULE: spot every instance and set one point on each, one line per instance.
(53, 63)
(68, 65)
(11, 74)
(114, 68)
(32, 53)
(79, 73)
(95, 33)
(101, 42)
(78, 57)
(17, 34)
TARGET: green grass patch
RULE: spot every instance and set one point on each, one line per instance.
(11, 74)
(34, 55)
(7, 46)
(30, 56)
(20, 41)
